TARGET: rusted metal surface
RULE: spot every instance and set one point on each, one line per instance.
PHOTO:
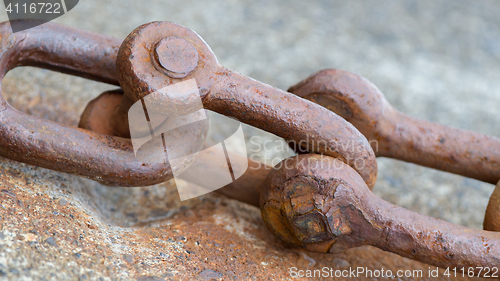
(59, 227)
(248, 187)
(176, 56)
(492, 216)
(323, 205)
(233, 94)
(399, 136)
(40, 142)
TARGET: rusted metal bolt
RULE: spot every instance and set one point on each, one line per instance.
(176, 56)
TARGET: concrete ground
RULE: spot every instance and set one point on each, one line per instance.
(435, 60)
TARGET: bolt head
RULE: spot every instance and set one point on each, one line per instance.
(176, 56)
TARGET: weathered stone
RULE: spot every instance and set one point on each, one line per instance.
(224, 239)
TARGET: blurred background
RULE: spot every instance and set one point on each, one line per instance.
(435, 60)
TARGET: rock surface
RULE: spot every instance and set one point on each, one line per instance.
(59, 227)
(436, 60)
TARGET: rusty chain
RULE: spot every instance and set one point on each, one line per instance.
(320, 200)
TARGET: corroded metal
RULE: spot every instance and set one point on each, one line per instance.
(393, 134)
(96, 153)
(40, 142)
(323, 205)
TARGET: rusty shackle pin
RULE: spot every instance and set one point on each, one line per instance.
(103, 152)
(159, 54)
(360, 218)
(319, 203)
(398, 136)
(324, 205)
